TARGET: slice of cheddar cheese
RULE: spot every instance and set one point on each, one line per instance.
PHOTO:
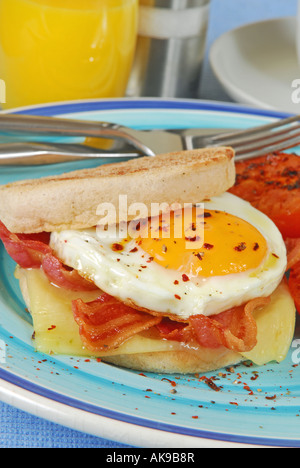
(56, 332)
(275, 328)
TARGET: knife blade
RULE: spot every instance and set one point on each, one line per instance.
(124, 141)
(31, 153)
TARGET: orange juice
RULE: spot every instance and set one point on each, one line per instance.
(57, 50)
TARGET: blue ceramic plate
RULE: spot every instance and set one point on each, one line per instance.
(254, 405)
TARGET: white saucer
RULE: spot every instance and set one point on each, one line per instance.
(257, 64)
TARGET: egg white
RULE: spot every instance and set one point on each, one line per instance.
(129, 276)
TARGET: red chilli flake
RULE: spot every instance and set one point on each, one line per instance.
(185, 278)
(208, 246)
(246, 387)
(199, 256)
(240, 247)
(171, 382)
(256, 246)
(117, 247)
(192, 239)
(210, 383)
(271, 397)
(177, 297)
(52, 327)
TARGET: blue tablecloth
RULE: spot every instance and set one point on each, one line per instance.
(21, 430)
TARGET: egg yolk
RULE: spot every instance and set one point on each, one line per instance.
(212, 243)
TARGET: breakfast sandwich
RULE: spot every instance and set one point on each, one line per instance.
(150, 264)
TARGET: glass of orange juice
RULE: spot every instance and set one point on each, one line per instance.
(58, 50)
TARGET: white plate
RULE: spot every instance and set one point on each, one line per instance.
(257, 64)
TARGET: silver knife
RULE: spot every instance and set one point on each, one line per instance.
(124, 142)
(35, 153)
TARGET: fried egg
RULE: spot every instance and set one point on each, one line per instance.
(225, 255)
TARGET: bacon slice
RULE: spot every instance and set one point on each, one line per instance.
(31, 252)
(234, 329)
(27, 253)
(66, 278)
(106, 323)
(170, 330)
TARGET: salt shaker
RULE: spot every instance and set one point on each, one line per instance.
(170, 48)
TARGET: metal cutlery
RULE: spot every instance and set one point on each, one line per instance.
(33, 153)
(127, 142)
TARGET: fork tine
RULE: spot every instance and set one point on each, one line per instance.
(257, 141)
(254, 131)
(267, 142)
(269, 137)
(263, 150)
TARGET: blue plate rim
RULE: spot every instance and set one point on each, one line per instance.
(65, 107)
(148, 424)
(149, 103)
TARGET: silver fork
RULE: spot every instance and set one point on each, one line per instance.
(257, 141)
(131, 143)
